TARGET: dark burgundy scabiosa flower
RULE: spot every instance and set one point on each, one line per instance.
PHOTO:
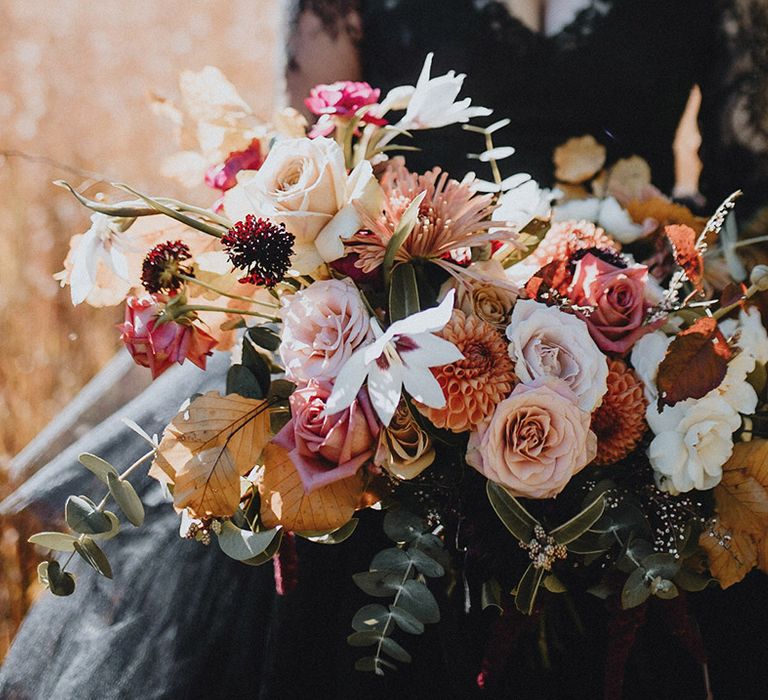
(162, 266)
(260, 247)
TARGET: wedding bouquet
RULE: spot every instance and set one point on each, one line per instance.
(559, 389)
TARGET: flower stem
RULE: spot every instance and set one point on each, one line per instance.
(751, 291)
(243, 312)
(194, 280)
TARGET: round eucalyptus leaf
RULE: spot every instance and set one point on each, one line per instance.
(244, 544)
(336, 536)
(432, 545)
(81, 514)
(424, 563)
(636, 590)
(242, 381)
(391, 647)
(664, 589)
(126, 497)
(268, 553)
(104, 536)
(661, 564)
(61, 583)
(100, 467)
(363, 639)
(57, 541)
(377, 583)
(94, 556)
(693, 581)
(373, 617)
(402, 526)
(406, 621)
(418, 600)
(393, 560)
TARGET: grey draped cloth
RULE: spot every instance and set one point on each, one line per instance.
(172, 623)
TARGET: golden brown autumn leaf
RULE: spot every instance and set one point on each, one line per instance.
(742, 502)
(629, 178)
(664, 212)
(284, 501)
(207, 447)
(731, 556)
(578, 159)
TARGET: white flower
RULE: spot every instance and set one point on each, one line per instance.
(525, 202)
(432, 104)
(400, 357)
(546, 342)
(647, 355)
(691, 455)
(606, 213)
(752, 337)
(103, 242)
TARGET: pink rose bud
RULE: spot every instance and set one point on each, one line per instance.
(617, 298)
(224, 175)
(328, 448)
(158, 345)
(341, 99)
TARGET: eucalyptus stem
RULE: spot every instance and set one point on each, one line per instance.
(125, 475)
(243, 312)
(406, 575)
(195, 280)
(494, 165)
(751, 291)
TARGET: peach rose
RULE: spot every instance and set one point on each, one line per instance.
(536, 440)
(326, 448)
(322, 326)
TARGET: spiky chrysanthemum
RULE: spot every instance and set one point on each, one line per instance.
(474, 386)
(261, 248)
(162, 266)
(565, 238)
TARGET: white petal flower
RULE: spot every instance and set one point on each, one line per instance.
(400, 356)
(433, 102)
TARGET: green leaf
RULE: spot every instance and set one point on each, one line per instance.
(515, 518)
(256, 362)
(490, 595)
(60, 583)
(591, 543)
(664, 589)
(373, 617)
(126, 497)
(57, 541)
(241, 381)
(100, 467)
(244, 544)
(579, 524)
(391, 647)
(94, 556)
(433, 546)
(661, 564)
(268, 553)
(281, 389)
(81, 514)
(404, 227)
(424, 563)
(636, 590)
(527, 589)
(363, 639)
(403, 293)
(406, 621)
(554, 584)
(403, 526)
(417, 599)
(264, 337)
(393, 560)
(693, 581)
(376, 583)
(334, 536)
(114, 530)
(370, 664)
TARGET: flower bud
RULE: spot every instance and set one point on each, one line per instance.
(759, 277)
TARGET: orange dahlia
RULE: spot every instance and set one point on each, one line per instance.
(475, 385)
(619, 422)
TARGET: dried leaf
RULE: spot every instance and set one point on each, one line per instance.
(663, 211)
(630, 178)
(207, 447)
(742, 502)
(695, 363)
(578, 159)
(687, 255)
(284, 501)
(730, 560)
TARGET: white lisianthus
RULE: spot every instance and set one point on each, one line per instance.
(606, 213)
(525, 202)
(432, 104)
(546, 342)
(303, 183)
(749, 332)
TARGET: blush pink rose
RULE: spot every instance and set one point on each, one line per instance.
(341, 99)
(158, 345)
(617, 298)
(327, 448)
(535, 441)
(322, 326)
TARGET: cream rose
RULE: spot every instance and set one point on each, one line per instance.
(303, 183)
(487, 294)
(546, 342)
(404, 450)
(322, 326)
(536, 440)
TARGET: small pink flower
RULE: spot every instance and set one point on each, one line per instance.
(158, 345)
(341, 99)
(327, 448)
(617, 299)
(224, 175)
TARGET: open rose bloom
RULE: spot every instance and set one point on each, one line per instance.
(535, 389)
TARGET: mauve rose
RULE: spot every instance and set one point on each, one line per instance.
(322, 326)
(617, 297)
(341, 99)
(223, 176)
(327, 448)
(536, 440)
(158, 345)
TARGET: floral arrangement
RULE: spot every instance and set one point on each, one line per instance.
(560, 389)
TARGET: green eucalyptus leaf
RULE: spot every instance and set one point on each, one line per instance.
(661, 564)
(403, 292)
(490, 595)
(404, 227)
(333, 536)
(126, 497)
(241, 381)
(373, 617)
(690, 580)
(635, 551)
(369, 664)
(554, 584)
(257, 364)
(363, 639)
(114, 530)
(264, 337)
(60, 583)
(527, 589)
(393, 560)
(417, 599)
(281, 389)
(391, 647)
(82, 515)
(100, 467)
(243, 545)
(424, 563)
(511, 512)
(591, 542)
(664, 589)
(406, 621)
(268, 553)
(636, 590)
(94, 556)
(403, 526)
(580, 523)
(433, 546)
(377, 583)
(57, 541)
